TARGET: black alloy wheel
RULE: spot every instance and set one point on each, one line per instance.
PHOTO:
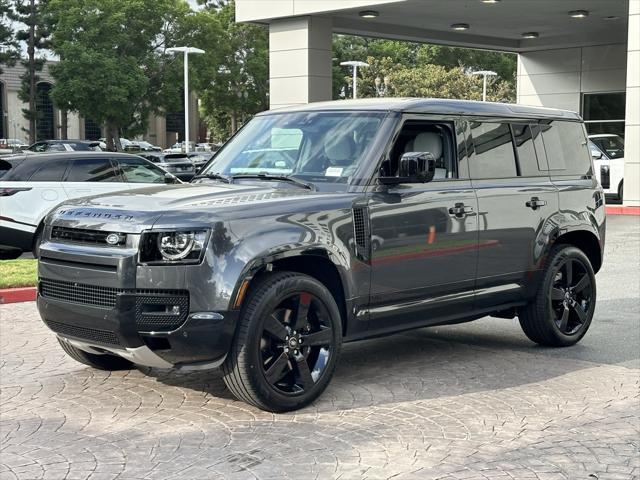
(296, 343)
(571, 296)
(287, 343)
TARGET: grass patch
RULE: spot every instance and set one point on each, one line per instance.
(18, 273)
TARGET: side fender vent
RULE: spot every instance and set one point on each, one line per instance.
(361, 232)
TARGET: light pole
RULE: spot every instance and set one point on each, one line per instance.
(355, 64)
(485, 74)
(186, 51)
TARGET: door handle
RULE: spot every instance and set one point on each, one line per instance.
(535, 203)
(460, 209)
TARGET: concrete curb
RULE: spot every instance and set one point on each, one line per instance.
(622, 210)
(15, 295)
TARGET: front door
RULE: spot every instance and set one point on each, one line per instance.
(424, 235)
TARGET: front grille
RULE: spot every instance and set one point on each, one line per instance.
(88, 237)
(92, 334)
(104, 297)
(154, 308)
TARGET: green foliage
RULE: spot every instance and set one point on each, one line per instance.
(18, 273)
(232, 79)
(113, 67)
(9, 52)
(421, 70)
(35, 35)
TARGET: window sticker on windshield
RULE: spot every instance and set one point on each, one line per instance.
(333, 172)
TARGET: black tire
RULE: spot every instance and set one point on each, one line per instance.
(37, 238)
(288, 321)
(620, 191)
(101, 362)
(562, 310)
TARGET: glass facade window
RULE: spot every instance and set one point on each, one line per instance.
(2, 111)
(45, 127)
(92, 130)
(604, 112)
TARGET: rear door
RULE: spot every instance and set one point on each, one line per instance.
(515, 201)
(92, 175)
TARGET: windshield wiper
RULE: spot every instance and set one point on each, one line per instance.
(214, 176)
(277, 178)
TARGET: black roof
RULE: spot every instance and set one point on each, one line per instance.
(434, 106)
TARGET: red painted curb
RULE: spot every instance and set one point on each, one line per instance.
(622, 210)
(14, 295)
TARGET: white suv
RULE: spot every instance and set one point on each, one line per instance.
(31, 185)
(607, 151)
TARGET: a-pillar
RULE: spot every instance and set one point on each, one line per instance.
(299, 61)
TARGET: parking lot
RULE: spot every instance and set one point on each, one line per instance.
(469, 401)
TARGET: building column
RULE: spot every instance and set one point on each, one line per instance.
(300, 53)
(632, 115)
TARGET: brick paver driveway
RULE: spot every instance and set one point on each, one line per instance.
(467, 401)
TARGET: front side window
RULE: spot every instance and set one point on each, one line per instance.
(317, 147)
(566, 147)
(493, 155)
(93, 170)
(140, 171)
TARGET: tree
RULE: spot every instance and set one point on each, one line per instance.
(235, 86)
(9, 51)
(35, 34)
(113, 66)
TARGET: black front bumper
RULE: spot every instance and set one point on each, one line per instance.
(131, 319)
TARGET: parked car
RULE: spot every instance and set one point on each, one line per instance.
(141, 146)
(607, 151)
(64, 146)
(11, 145)
(31, 185)
(199, 159)
(265, 264)
(178, 164)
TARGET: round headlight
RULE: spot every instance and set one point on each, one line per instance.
(175, 245)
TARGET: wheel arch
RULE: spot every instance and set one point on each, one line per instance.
(585, 241)
(317, 263)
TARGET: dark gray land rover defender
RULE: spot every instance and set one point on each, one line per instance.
(328, 223)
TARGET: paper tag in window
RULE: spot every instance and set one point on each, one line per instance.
(333, 172)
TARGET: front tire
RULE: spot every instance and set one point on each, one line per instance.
(562, 310)
(287, 343)
(101, 362)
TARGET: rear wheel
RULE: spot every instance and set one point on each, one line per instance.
(562, 310)
(101, 362)
(287, 343)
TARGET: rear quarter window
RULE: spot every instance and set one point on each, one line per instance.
(566, 146)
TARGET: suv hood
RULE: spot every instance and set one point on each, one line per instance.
(187, 204)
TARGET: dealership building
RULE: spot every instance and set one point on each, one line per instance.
(580, 55)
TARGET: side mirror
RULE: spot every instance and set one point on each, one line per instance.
(415, 167)
(170, 179)
(596, 154)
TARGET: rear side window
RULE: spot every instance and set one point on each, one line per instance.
(493, 151)
(528, 163)
(566, 147)
(50, 172)
(93, 170)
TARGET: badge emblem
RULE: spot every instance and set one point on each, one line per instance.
(113, 239)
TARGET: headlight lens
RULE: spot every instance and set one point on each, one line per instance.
(175, 246)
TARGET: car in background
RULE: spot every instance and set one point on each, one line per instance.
(200, 159)
(50, 146)
(11, 145)
(179, 147)
(31, 185)
(141, 146)
(607, 150)
(178, 164)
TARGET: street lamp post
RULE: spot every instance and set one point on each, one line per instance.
(485, 74)
(186, 51)
(355, 64)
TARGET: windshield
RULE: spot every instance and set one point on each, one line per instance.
(613, 146)
(317, 147)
